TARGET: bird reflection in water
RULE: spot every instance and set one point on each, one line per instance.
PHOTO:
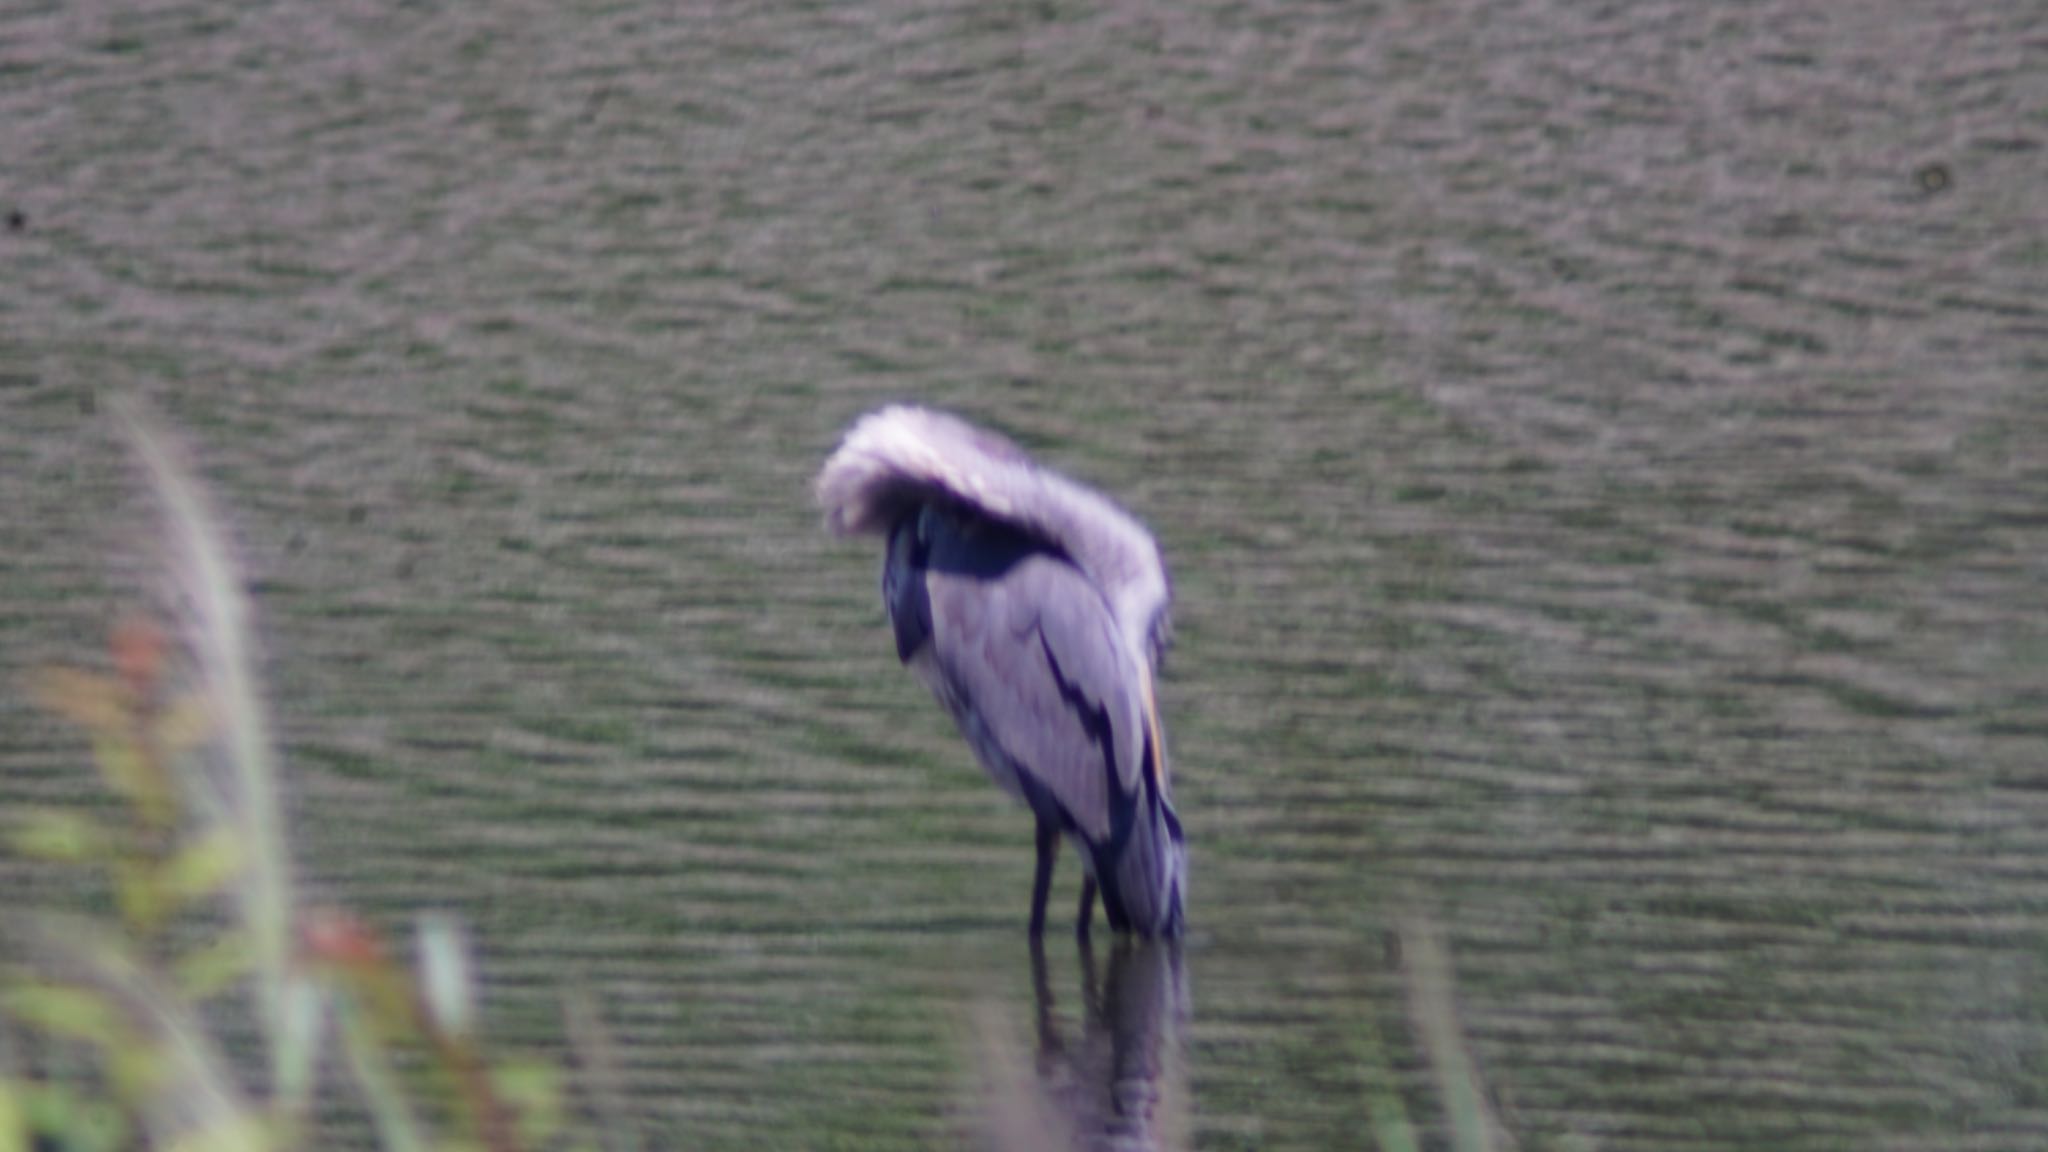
(1112, 1082)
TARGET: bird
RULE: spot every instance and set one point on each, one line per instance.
(1037, 612)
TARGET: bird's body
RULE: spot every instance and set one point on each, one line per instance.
(1035, 611)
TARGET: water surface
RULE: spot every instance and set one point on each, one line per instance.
(1599, 448)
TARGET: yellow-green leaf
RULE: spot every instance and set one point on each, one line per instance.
(13, 1123)
(138, 777)
(203, 868)
(65, 1011)
(140, 1070)
(78, 1123)
(139, 895)
(214, 966)
(65, 837)
(534, 1090)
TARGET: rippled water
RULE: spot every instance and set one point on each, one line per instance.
(1599, 447)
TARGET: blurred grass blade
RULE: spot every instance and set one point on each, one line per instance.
(1388, 1116)
(598, 1059)
(398, 1129)
(220, 636)
(447, 985)
(1473, 1126)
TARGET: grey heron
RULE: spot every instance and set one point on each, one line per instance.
(1036, 612)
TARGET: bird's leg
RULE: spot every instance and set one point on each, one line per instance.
(1041, 885)
(1092, 1006)
(1087, 907)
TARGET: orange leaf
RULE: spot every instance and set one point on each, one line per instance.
(138, 655)
(91, 701)
(334, 937)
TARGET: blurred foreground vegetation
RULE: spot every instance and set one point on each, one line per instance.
(113, 1022)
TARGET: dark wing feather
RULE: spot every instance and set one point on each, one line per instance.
(1035, 654)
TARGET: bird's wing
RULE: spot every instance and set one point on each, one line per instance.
(1038, 659)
